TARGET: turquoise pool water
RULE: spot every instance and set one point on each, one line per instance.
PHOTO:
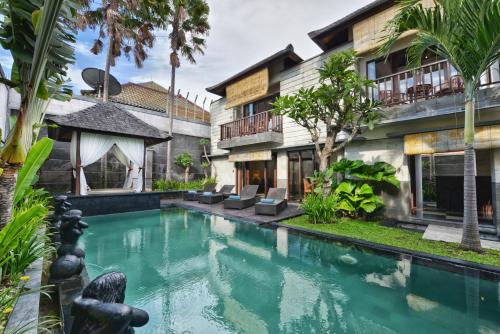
(198, 273)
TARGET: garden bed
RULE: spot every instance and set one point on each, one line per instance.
(374, 232)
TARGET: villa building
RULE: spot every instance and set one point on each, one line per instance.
(421, 133)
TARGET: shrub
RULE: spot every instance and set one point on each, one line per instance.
(320, 209)
(164, 185)
(357, 199)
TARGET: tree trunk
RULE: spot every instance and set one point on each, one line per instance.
(470, 235)
(107, 69)
(186, 175)
(171, 123)
(8, 180)
(205, 171)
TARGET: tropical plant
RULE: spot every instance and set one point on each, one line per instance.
(128, 25)
(37, 155)
(38, 36)
(379, 174)
(205, 166)
(338, 104)
(320, 208)
(185, 160)
(188, 21)
(467, 34)
(356, 200)
(164, 185)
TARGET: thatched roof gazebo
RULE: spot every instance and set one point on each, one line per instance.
(98, 129)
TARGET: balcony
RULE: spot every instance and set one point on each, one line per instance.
(263, 127)
(430, 81)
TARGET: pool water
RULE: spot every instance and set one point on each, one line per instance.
(198, 273)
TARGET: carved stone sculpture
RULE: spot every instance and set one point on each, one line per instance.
(100, 309)
(61, 206)
(70, 256)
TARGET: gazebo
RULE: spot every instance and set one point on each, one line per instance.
(98, 129)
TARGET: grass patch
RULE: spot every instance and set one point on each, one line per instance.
(397, 237)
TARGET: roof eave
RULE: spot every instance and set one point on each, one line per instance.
(289, 52)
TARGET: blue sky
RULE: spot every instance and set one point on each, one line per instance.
(242, 33)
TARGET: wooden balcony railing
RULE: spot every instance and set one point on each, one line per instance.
(430, 81)
(258, 123)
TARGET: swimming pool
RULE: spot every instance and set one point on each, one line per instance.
(198, 273)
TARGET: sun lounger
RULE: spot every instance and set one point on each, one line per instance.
(245, 200)
(273, 204)
(192, 195)
(216, 197)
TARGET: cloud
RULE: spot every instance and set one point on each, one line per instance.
(75, 74)
(242, 33)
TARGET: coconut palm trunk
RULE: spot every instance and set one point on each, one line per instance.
(171, 123)
(107, 69)
(470, 235)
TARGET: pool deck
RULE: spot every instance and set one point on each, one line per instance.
(247, 214)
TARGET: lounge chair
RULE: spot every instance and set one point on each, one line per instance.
(245, 200)
(273, 204)
(217, 196)
(192, 195)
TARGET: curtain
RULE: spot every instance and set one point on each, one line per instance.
(133, 148)
(92, 147)
(129, 151)
(127, 162)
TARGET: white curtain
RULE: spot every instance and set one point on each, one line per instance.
(92, 147)
(127, 162)
(133, 148)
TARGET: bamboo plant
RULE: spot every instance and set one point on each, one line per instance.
(467, 34)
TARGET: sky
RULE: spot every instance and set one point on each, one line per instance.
(242, 33)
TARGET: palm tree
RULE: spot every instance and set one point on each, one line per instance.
(467, 34)
(38, 36)
(189, 22)
(128, 25)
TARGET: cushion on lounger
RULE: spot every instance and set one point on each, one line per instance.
(207, 193)
(191, 191)
(235, 197)
(267, 200)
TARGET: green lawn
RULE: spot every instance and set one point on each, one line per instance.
(397, 237)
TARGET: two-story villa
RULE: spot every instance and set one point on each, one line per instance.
(421, 134)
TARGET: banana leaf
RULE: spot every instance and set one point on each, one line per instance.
(34, 161)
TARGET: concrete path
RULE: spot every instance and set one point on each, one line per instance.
(453, 234)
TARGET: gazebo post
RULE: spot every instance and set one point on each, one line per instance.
(144, 170)
(78, 164)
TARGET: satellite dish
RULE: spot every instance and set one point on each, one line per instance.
(94, 77)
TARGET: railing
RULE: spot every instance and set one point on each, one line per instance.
(258, 123)
(430, 81)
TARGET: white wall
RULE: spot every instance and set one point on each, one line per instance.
(153, 118)
(224, 171)
(4, 109)
(218, 116)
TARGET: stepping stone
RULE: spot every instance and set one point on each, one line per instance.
(453, 234)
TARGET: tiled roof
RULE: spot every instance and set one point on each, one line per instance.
(150, 95)
(108, 118)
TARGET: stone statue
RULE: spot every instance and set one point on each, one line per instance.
(70, 256)
(61, 206)
(100, 309)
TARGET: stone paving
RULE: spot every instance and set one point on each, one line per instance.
(247, 214)
(453, 234)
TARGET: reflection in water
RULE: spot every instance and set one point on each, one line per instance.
(197, 273)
